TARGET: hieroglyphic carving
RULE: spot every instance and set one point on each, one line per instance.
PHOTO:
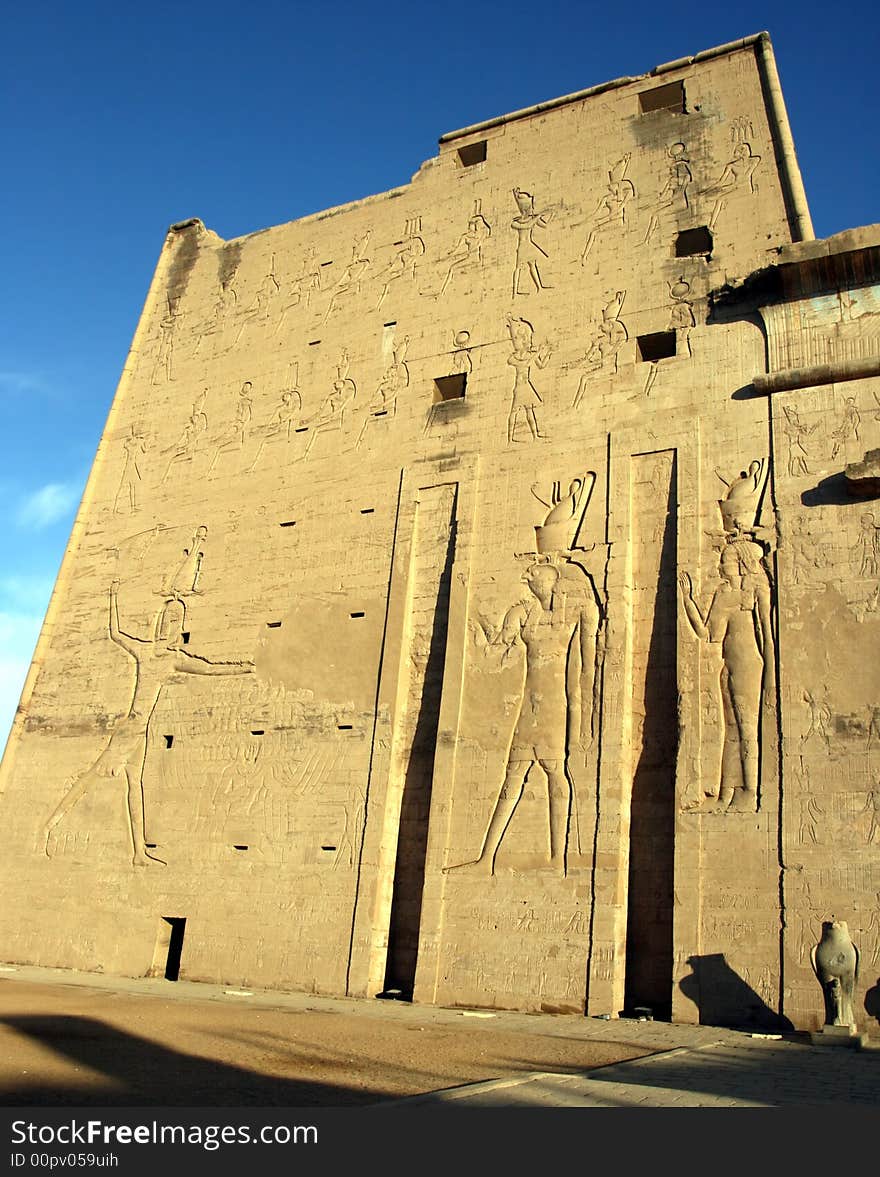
(557, 630)
(738, 173)
(234, 438)
(285, 420)
(193, 432)
(848, 427)
(738, 624)
(462, 363)
(674, 193)
(331, 415)
(404, 263)
(157, 659)
(467, 253)
(183, 580)
(525, 396)
(867, 546)
(611, 210)
(530, 255)
(165, 352)
(681, 314)
(307, 283)
(349, 281)
(609, 337)
(820, 718)
(133, 445)
(259, 310)
(223, 310)
(394, 380)
(797, 433)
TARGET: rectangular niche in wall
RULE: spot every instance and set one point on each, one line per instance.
(449, 388)
(668, 97)
(168, 948)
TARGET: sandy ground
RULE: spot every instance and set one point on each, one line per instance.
(154, 1043)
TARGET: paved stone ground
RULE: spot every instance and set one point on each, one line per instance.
(74, 1039)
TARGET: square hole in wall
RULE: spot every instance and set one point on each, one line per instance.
(449, 388)
(668, 97)
(659, 346)
(694, 242)
(472, 153)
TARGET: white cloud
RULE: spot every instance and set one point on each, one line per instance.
(48, 504)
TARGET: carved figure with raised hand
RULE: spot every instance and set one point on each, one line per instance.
(611, 209)
(797, 433)
(307, 282)
(350, 279)
(738, 173)
(848, 427)
(557, 630)
(674, 192)
(529, 254)
(133, 445)
(157, 659)
(195, 428)
(236, 435)
(610, 336)
(259, 309)
(165, 351)
(738, 623)
(835, 961)
(404, 262)
(525, 396)
(331, 415)
(394, 380)
(467, 252)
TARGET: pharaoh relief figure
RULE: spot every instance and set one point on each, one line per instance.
(530, 254)
(611, 210)
(555, 630)
(737, 626)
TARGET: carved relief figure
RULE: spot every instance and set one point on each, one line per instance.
(738, 173)
(350, 279)
(193, 431)
(467, 253)
(157, 659)
(133, 445)
(184, 577)
(737, 622)
(611, 334)
(529, 254)
(286, 419)
(796, 432)
(462, 364)
(409, 251)
(525, 396)
(236, 435)
(223, 310)
(331, 415)
(165, 353)
(394, 379)
(557, 630)
(739, 507)
(307, 282)
(674, 192)
(681, 314)
(611, 209)
(259, 309)
(848, 427)
(867, 546)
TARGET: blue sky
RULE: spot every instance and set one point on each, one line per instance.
(121, 118)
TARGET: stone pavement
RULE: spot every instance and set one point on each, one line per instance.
(734, 1071)
(682, 1065)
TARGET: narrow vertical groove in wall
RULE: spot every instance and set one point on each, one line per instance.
(433, 552)
(649, 943)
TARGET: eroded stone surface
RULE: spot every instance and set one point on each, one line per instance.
(449, 613)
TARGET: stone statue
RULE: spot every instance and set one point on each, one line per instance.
(836, 965)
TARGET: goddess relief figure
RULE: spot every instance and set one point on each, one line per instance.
(737, 621)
